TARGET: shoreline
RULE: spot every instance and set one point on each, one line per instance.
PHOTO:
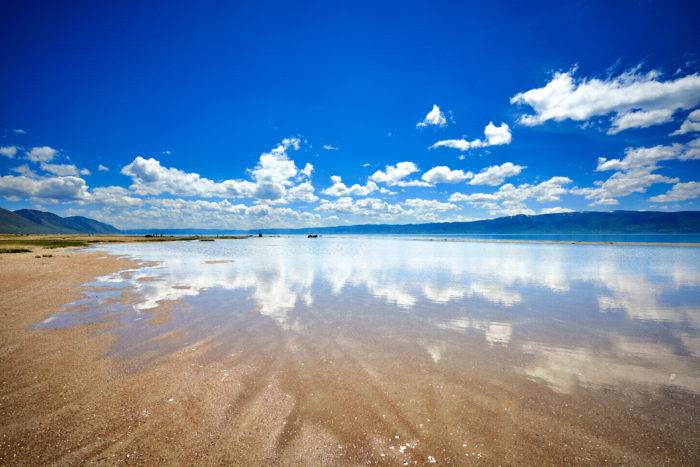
(71, 240)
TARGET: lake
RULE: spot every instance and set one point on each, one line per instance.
(404, 350)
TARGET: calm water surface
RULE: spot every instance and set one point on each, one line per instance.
(597, 345)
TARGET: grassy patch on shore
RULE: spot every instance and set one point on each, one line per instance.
(43, 242)
(63, 241)
(15, 250)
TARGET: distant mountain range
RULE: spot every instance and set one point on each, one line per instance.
(593, 222)
(615, 222)
(30, 221)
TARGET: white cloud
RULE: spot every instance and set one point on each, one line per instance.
(8, 151)
(640, 119)
(54, 188)
(361, 207)
(555, 210)
(302, 192)
(493, 136)
(443, 174)
(274, 170)
(329, 147)
(635, 100)
(679, 192)
(510, 199)
(102, 168)
(635, 172)
(690, 125)
(435, 118)
(394, 175)
(414, 208)
(41, 154)
(307, 170)
(497, 135)
(150, 177)
(339, 188)
(621, 184)
(272, 178)
(24, 170)
(18, 131)
(429, 205)
(167, 212)
(60, 169)
(114, 196)
(495, 174)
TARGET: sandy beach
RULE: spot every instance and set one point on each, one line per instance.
(64, 402)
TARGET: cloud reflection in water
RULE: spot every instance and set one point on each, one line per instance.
(640, 305)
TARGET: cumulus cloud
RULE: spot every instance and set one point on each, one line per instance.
(307, 170)
(41, 154)
(496, 174)
(510, 199)
(434, 118)
(274, 170)
(633, 99)
(679, 192)
(24, 170)
(443, 174)
(63, 169)
(301, 192)
(271, 178)
(361, 207)
(339, 188)
(8, 151)
(622, 183)
(329, 147)
(150, 177)
(394, 175)
(429, 205)
(198, 213)
(414, 208)
(52, 188)
(102, 168)
(636, 171)
(493, 136)
(114, 196)
(690, 125)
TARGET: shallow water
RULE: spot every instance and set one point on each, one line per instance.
(575, 342)
(574, 237)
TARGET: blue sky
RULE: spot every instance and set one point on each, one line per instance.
(167, 115)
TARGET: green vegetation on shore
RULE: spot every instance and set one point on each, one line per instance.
(21, 243)
(15, 250)
(45, 243)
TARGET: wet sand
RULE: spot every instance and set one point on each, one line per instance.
(259, 395)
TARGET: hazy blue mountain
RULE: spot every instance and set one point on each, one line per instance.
(615, 222)
(34, 221)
